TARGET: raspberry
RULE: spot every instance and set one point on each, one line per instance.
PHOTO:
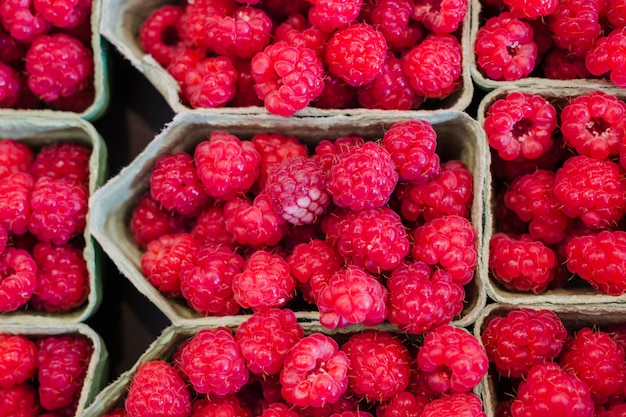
(14, 157)
(440, 16)
(374, 239)
(329, 15)
(149, 220)
(352, 296)
(20, 400)
(197, 15)
(379, 365)
(337, 94)
(458, 404)
(356, 54)
(326, 151)
(164, 258)
(520, 124)
(17, 360)
(226, 165)
(505, 49)
(11, 50)
(607, 56)
(157, 388)
(595, 358)
(15, 206)
(315, 372)
(521, 263)
(362, 177)
(599, 259)
(287, 77)
(254, 224)
(266, 338)
(211, 83)
(58, 66)
(403, 404)
(10, 86)
(530, 196)
(159, 34)
(448, 243)
(590, 189)
(523, 338)
(264, 283)
(21, 21)
(575, 25)
(174, 183)
(274, 148)
(616, 13)
(242, 34)
(62, 278)
(453, 359)
(297, 31)
(62, 362)
(67, 14)
(559, 64)
(245, 96)
(181, 62)
(434, 66)
(213, 362)
(412, 146)
(65, 160)
(296, 188)
(532, 10)
(594, 124)
(228, 406)
(549, 389)
(314, 263)
(393, 19)
(206, 283)
(210, 227)
(4, 238)
(59, 210)
(279, 410)
(18, 278)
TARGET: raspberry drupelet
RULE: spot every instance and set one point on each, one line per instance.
(440, 16)
(17, 359)
(211, 83)
(18, 273)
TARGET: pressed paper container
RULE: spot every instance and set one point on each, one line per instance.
(459, 138)
(37, 130)
(121, 20)
(574, 317)
(580, 294)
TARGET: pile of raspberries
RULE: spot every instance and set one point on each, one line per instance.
(540, 367)
(42, 375)
(364, 230)
(555, 39)
(271, 367)
(43, 204)
(560, 192)
(46, 60)
(288, 54)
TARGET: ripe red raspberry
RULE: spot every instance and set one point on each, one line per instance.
(576, 25)
(530, 196)
(274, 148)
(434, 66)
(315, 372)
(590, 189)
(17, 359)
(152, 383)
(228, 406)
(352, 296)
(448, 243)
(600, 260)
(532, 10)
(58, 66)
(616, 13)
(549, 389)
(20, 400)
(379, 365)
(15, 208)
(403, 404)
(213, 362)
(163, 259)
(211, 83)
(11, 50)
(607, 56)
(265, 282)
(440, 16)
(62, 278)
(65, 160)
(362, 177)
(242, 34)
(297, 31)
(505, 48)
(206, 283)
(296, 188)
(346, 402)
(523, 338)
(62, 363)
(210, 227)
(356, 54)
(182, 61)
(279, 410)
(226, 165)
(149, 220)
(174, 184)
(18, 278)
(337, 94)
(329, 15)
(595, 358)
(412, 146)
(326, 151)
(14, 157)
(256, 223)
(11, 86)
(21, 21)
(266, 338)
(4, 238)
(559, 64)
(198, 14)
(393, 19)
(314, 262)
(520, 124)
(287, 77)
(453, 359)
(521, 263)
(458, 404)
(594, 124)
(67, 14)
(159, 34)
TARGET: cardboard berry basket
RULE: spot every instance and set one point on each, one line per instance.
(121, 20)
(37, 130)
(459, 138)
(576, 291)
